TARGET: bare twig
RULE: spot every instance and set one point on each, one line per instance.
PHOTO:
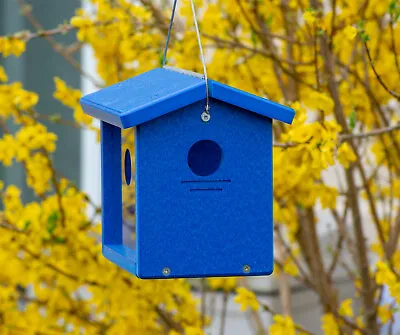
(395, 54)
(26, 11)
(223, 313)
(371, 62)
(8, 226)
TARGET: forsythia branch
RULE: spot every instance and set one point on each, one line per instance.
(347, 137)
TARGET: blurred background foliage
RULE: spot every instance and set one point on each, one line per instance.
(335, 62)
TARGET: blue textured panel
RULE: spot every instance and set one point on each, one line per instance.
(162, 91)
(205, 226)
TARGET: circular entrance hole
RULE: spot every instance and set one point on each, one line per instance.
(204, 157)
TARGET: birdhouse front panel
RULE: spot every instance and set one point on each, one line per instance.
(204, 194)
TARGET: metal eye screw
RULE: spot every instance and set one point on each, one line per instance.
(205, 117)
(246, 269)
(166, 272)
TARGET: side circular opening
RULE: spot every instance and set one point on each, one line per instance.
(128, 167)
(204, 157)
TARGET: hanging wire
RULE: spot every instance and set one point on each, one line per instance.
(171, 23)
(206, 115)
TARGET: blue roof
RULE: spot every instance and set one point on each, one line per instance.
(164, 90)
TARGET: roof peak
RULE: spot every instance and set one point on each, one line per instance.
(185, 72)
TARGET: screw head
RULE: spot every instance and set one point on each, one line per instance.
(246, 269)
(166, 272)
(205, 117)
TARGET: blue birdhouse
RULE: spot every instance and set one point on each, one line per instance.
(204, 185)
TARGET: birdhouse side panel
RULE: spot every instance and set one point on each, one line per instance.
(204, 194)
(111, 175)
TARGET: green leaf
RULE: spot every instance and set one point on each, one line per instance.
(392, 6)
(253, 38)
(360, 24)
(59, 240)
(268, 21)
(365, 37)
(353, 120)
(52, 222)
(27, 225)
(55, 118)
(161, 59)
(319, 145)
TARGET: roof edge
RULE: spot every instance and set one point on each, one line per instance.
(164, 105)
(153, 109)
(100, 112)
(251, 102)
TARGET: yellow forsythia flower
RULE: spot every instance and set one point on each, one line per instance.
(319, 101)
(290, 268)
(226, 284)
(66, 95)
(384, 276)
(395, 291)
(396, 188)
(78, 21)
(283, 325)
(84, 24)
(301, 113)
(360, 323)
(385, 313)
(11, 46)
(193, 331)
(8, 149)
(246, 299)
(350, 32)
(39, 173)
(309, 17)
(3, 75)
(81, 117)
(377, 248)
(36, 137)
(25, 99)
(346, 155)
(70, 98)
(396, 260)
(328, 196)
(346, 309)
(329, 325)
